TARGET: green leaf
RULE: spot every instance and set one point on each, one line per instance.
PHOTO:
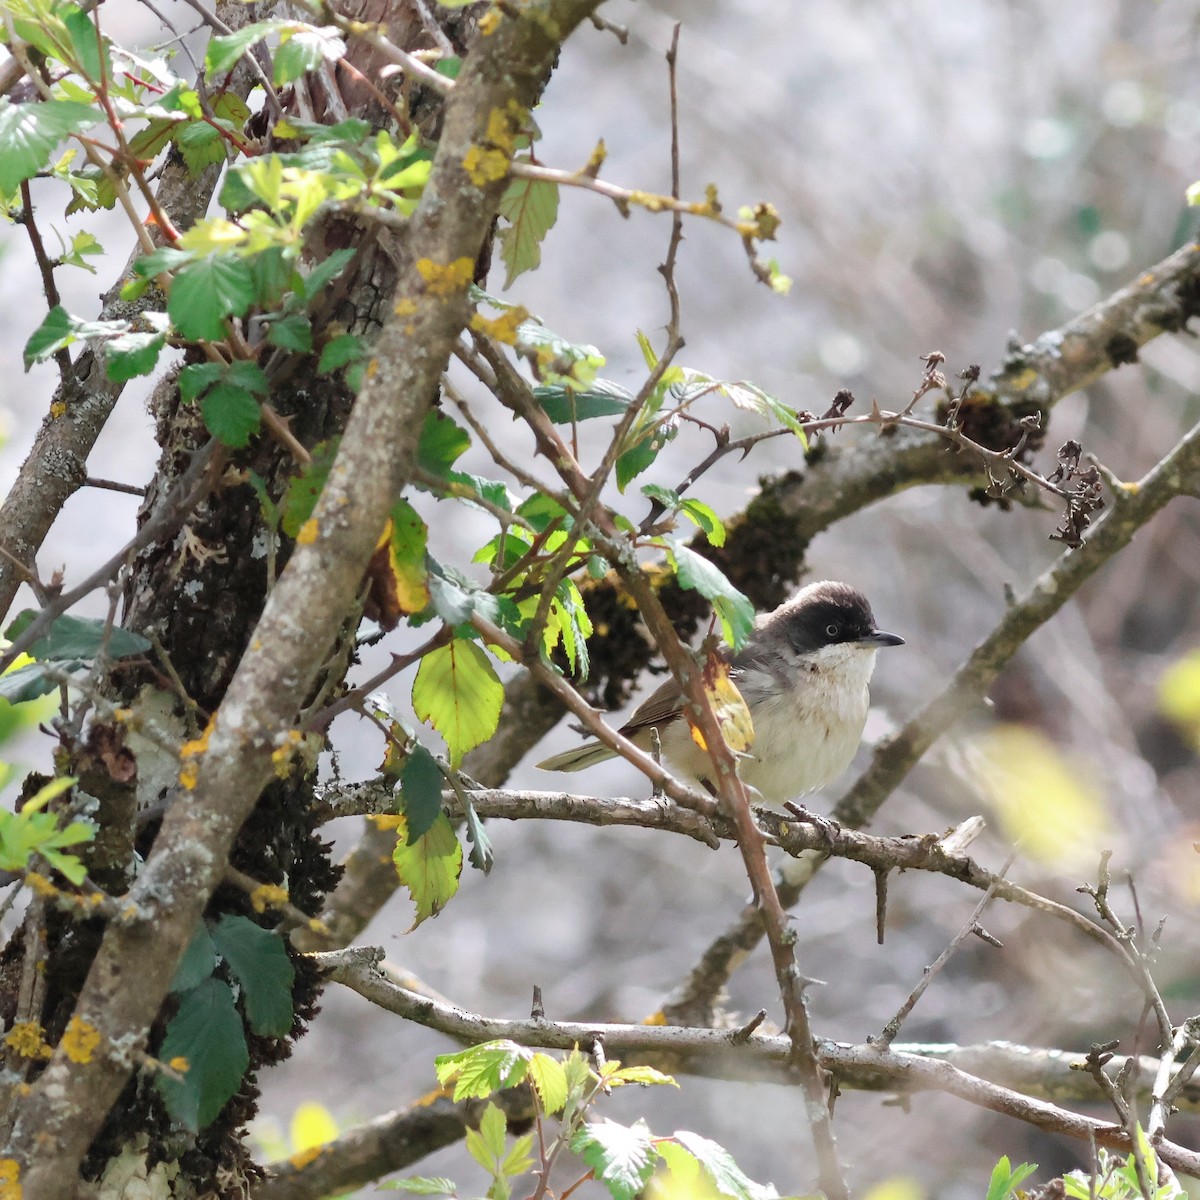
(303, 490)
(30, 132)
(305, 50)
(198, 962)
(530, 207)
(717, 1163)
(56, 332)
(86, 45)
(223, 52)
(83, 637)
(132, 354)
(231, 414)
(420, 791)
(458, 692)
(641, 453)
(479, 1071)
(291, 333)
(338, 351)
(430, 868)
(550, 1079)
(697, 574)
(420, 1185)
(564, 405)
(442, 442)
(82, 244)
(197, 378)
(204, 293)
(260, 961)
(30, 681)
(455, 597)
(207, 1032)
(622, 1157)
(556, 360)
(202, 145)
(482, 856)
(325, 272)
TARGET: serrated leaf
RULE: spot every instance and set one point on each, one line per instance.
(407, 585)
(198, 962)
(717, 1163)
(565, 406)
(420, 791)
(259, 960)
(530, 206)
(202, 145)
(643, 450)
(456, 598)
(83, 638)
(442, 443)
(86, 46)
(223, 52)
(231, 414)
(30, 681)
(207, 1033)
(550, 1079)
(482, 856)
(305, 49)
(479, 1071)
(645, 1076)
(204, 293)
(429, 868)
(132, 354)
(300, 498)
(291, 333)
(56, 332)
(420, 1185)
(697, 574)
(30, 132)
(621, 1156)
(325, 272)
(458, 692)
(338, 351)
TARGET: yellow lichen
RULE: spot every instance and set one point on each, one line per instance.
(308, 532)
(445, 280)
(80, 1040)
(179, 1063)
(268, 895)
(485, 166)
(40, 884)
(25, 1038)
(190, 753)
(490, 22)
(58, 409)
(10, 1179)
(405, 307)
(502, 328)
(283, 754)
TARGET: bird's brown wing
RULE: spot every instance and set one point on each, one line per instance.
(664, 704)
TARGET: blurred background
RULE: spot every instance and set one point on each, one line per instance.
(948, 175)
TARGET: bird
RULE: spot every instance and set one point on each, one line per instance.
(804, 674)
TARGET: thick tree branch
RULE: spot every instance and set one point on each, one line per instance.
(303, 612)
(56, 466)
(1135, 504)
(761, 1057)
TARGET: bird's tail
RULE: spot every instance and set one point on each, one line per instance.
(586, 755)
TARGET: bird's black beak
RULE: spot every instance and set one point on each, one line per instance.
(878, 638)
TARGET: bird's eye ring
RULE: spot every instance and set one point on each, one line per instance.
(831, 631)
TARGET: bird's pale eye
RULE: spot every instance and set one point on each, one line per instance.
(831, 631)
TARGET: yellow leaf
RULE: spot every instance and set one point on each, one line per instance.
(899, 1187)
(737, 727)
(429, 868)
(312, 1126)
(1179, 695)
(1045, 800)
